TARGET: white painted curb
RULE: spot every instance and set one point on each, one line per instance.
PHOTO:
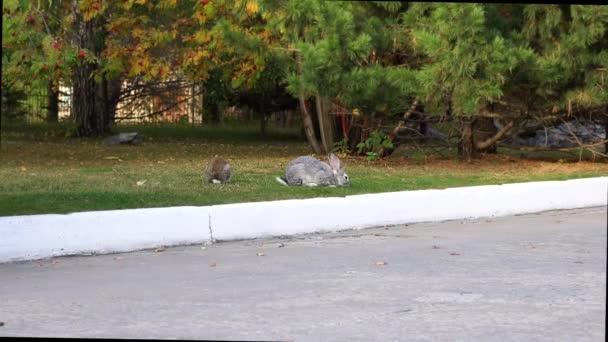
(42, 236)
(253, 220)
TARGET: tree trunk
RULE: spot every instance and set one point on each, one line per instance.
(466, 147)
(354, 138)
(84, 98)
(406, 116)
(52, 110)
(325, 124)
(88, 97)
(289, 119)
(263, 120)
(263, 125)
(108, 94)
(309, 129)
(202, 106)
(114, 87)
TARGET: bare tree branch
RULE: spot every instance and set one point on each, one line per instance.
(495, 138)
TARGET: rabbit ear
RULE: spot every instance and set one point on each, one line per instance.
(334, 162)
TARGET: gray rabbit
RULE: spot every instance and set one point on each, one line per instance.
(218, 171)
(310, 171)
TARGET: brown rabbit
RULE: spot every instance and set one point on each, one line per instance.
(218, 171)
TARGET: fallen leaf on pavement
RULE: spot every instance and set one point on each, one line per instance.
(281, 245)
(454, 253)
(381, 263)
(260, 254)
(118, 258)
(436, 247)
(160, 249)
(212, 264)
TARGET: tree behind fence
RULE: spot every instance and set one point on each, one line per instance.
(174, 101)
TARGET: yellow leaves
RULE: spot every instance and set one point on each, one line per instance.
(167, 4)
(141, 66)
(163, 72)
(267, 36)
(202, 37)
(200, 55)
(153, 72)
(210, 11)
(200, 16)
(251, 7)
(91, 8)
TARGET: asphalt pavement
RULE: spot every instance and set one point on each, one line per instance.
(539, 277)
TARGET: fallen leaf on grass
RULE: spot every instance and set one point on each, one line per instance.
(111, 158)
(141, 183)
(381, 263)
(23, 168)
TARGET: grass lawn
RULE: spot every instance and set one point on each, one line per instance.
(42, 172)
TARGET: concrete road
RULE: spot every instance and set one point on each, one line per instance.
(525, 278)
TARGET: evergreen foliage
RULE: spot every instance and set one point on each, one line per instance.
(515, 63)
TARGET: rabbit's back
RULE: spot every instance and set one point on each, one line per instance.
(310, 163)
(308, 170)
(218, 169)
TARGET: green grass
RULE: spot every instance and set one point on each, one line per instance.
(43, 172)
